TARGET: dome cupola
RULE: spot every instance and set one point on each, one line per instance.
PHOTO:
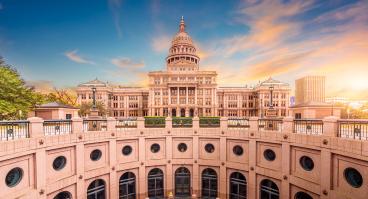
(182, 54)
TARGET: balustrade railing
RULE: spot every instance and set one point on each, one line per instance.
(10, 130)
(57, 127)
(270, 124)
(209, 122)
(353, 129)
(238, 123)
(94, 125)
(123, 123)
(308, 126)
(182, 122)
(154, 122)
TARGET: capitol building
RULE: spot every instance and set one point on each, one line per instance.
(197, 141)
(183, 90)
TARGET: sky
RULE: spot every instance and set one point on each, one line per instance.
(64, 43)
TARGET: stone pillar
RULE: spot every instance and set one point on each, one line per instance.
(111, 124)
(36, 127)
(177, 98)
(195, 122)
(330, 126)
(223, 123)
(288, 125)
(186, 95)
(77, 125)
(140, 123)
(168, 123)
(253, 123)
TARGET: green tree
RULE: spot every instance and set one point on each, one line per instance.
(16, 99)
(85, 109)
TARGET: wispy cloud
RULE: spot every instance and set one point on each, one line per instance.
(161, 43)
(73, 56)
(127, 63)
(115, 7)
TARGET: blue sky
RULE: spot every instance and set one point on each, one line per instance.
(64, 43)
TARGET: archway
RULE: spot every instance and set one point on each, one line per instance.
(191, 112)
(238, 186)
(182, 182)
(182, 112)
(173, 112)
(127, 185)
(269, 190)
(209, 184)
(155, 183)
(96, 190)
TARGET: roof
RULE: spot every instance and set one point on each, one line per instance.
(271, 81)
(95, 82)
(55, 105)
(315, 104)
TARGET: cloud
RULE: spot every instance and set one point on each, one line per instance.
(42, 86)
(161, 43)
(115, 7)
(126, 63)
(73, 56)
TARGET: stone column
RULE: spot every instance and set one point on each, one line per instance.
(36, 127)
(330, 126)
(195, 123)
(140, 123)
(223, 123)
(77, 125)
(253, 123)
(168, 123)
(178, 99)
(288, 125)
(186, 95)
(111, 124)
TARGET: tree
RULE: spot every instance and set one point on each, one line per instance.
(64, 96)
(16, 99)
(85, 109)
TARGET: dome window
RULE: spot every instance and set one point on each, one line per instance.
(353, 177)
(269, 155)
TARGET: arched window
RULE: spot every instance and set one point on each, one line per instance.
(156, 183)
(96, 190)
(302, 195)
(209, 183)
(63, 195)
(238, 186)
(269, 190)
(182, 182)
(127, 186)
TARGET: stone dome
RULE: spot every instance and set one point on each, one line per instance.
(182, 48)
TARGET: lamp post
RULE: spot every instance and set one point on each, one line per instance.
(94, 97)
(271, 91)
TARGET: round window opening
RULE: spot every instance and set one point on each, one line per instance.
(269, 155)
(182, 147)
(209, 148)
(13, 177)
(127, 150)
(59, 163)
(307, 163)
(353, 177)
(155, 148)
(95, 155)
(63, 195)
(238, 150)
(302, 195)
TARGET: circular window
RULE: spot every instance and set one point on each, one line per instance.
(95, 155)
(353, 177)
(182, 147)
(155, 148)
(302, 195)
(59, 163)
(238, 150)
(209, 148)
(13, 177)
(269, 155)
(63, 195)
(127, 150)
(307, 163)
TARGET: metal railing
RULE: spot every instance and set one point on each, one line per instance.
(308, 126)
(182, 122)
(57, 127)
(94, 125)
(353, 129)
(123, 123)
(10, 130)
(209, 122)
(270, 124)
(238, 123)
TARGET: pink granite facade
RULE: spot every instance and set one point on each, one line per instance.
(240, 151)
